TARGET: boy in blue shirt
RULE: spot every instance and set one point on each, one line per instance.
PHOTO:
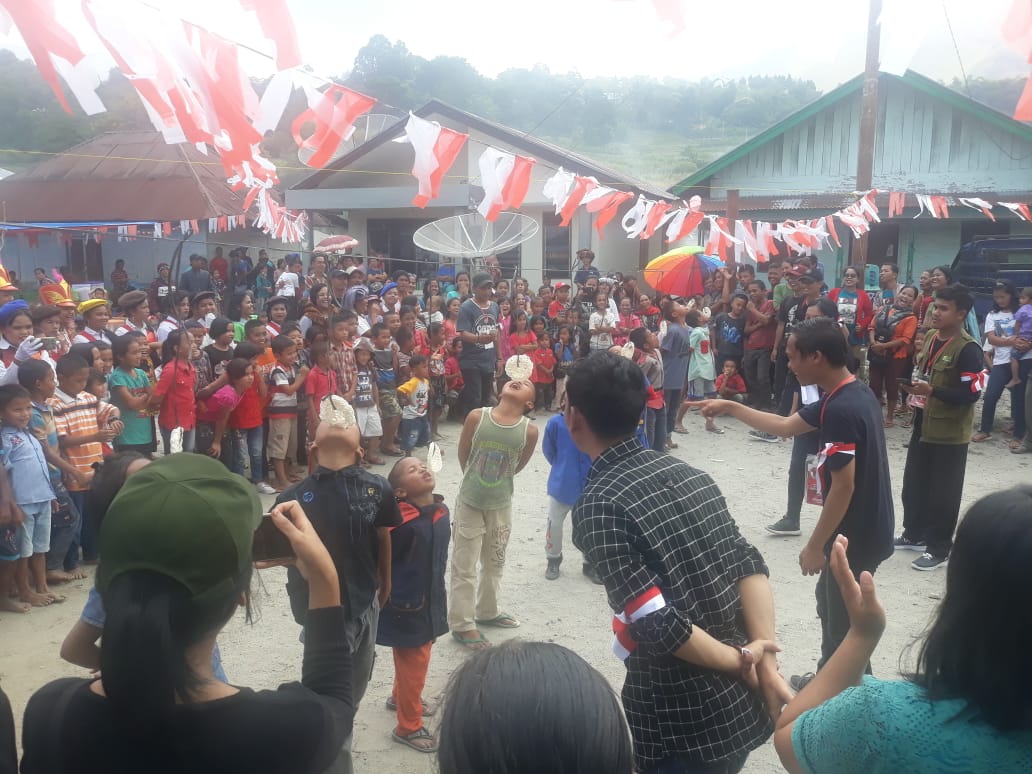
(570, 468)
(30, 480)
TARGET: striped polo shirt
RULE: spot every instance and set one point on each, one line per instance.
(76, 416)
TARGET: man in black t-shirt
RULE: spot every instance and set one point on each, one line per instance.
(353, 512)
(481, 356)
(790, 314)
(850, 471)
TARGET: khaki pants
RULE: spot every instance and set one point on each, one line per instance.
(477, 535)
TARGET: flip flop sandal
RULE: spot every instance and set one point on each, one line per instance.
(409, 740)
(429, 710)
(470, 644)
(680, 431)
(392, 452)
(501, 621)
(717, 430)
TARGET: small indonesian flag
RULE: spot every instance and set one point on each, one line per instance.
(436, 148)
(505, 179)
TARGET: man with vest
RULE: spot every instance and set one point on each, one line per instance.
(946, 385)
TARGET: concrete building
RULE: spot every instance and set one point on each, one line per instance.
(372, 188)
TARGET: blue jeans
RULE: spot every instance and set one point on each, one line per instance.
(85, 535)
(189, 440)
(999, 375)
(248, 444)
(65, 527)
(414, 432)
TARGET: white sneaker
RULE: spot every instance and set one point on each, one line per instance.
(264, 488)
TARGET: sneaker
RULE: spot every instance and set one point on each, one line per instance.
(591, 574)
(784, 526)
(798, 682)
(903, 544)
(553, 568)
(264, 488)
(926, 562)
(756, 435)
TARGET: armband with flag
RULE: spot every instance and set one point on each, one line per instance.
(639, 607)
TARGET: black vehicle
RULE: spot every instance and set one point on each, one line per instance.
(985, 260)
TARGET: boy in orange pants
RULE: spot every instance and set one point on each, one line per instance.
(417, 611)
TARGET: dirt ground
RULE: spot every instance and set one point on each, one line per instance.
(571, 611)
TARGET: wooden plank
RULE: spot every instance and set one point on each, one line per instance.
(836, 128)
(907, 139)
(820, 153)
(927, 114)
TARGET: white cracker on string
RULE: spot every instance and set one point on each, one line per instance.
(519, 367)
(434, 457)
(337, 412)
(627, 350)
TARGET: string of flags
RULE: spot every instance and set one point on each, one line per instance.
(194, 89)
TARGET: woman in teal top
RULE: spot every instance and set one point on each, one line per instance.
(130, 390)
(968, 708)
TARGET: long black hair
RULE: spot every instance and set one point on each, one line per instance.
(978, 635)
(1008, 287)
(565, 721)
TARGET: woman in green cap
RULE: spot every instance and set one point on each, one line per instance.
(177, 564)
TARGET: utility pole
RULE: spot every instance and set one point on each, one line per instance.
(868, 122)
(732, 210)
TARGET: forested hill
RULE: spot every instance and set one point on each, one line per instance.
(657, 130)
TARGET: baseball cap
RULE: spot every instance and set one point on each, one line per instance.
(184, 516)
(201, 295)
(809, 276)
(561, 285)
(482, 278)
(364, 344)
(795, 269)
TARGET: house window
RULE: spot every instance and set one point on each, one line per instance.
(558, 247)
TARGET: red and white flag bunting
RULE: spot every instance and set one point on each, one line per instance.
(436, 148)
(333, 114)
(505, 179)
(278, 26)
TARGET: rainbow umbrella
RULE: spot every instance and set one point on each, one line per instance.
(681, 271)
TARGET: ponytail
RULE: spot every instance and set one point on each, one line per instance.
(151, 622)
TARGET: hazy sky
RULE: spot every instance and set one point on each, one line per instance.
(818, 39)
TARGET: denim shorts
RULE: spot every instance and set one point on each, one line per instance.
(34, 532)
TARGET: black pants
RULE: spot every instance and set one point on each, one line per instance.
(781, 373)
(933, 482)
(672, 397)
(832, 610)
(476, 390)
(802, 446)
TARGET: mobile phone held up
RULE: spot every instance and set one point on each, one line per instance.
(269, 543)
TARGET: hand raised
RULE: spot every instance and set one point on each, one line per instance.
(866, 614)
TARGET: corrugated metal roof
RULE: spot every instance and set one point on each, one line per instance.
(910, 78)
(121, 176)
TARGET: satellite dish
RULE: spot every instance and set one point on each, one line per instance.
(472, 236)
(366, 128)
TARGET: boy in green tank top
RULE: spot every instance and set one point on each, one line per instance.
(495, 445)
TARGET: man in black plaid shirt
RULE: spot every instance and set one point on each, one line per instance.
(694, 612)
